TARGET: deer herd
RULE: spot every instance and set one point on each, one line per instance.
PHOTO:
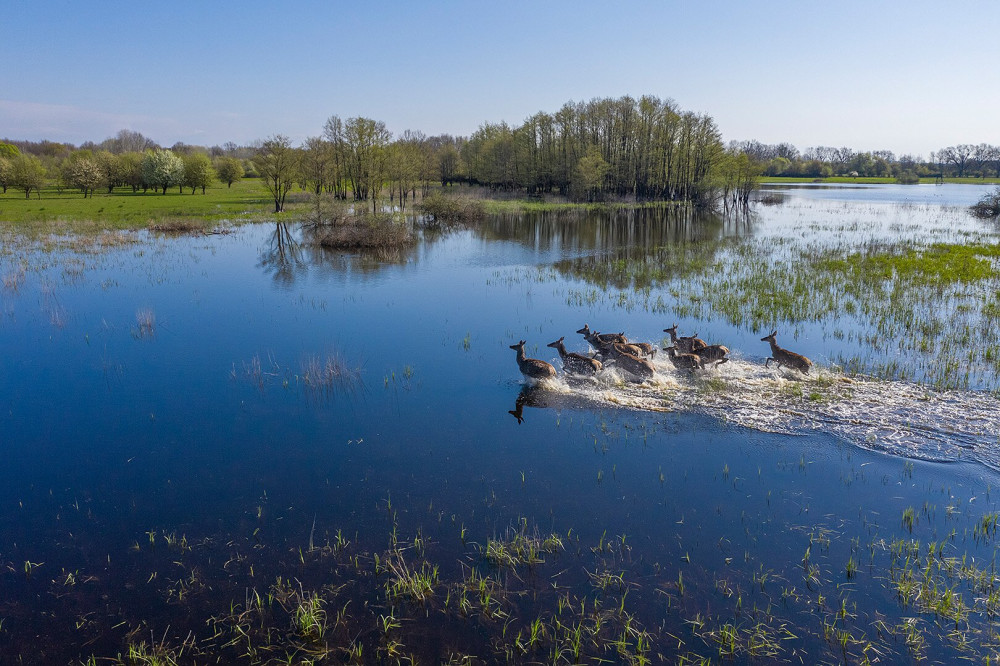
(688, 353)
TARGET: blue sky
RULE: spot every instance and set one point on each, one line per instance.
(910, 77)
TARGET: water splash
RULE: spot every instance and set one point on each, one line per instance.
(895, 417)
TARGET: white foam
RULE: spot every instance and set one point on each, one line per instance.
(897, 417)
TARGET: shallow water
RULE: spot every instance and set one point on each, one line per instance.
(257, 398)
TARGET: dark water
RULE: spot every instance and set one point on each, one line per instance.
(169, 450)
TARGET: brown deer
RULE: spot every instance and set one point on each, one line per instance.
(576, 363)
(785, 357)
(685, 345)
(629, 362)
(593, 337)
(712, 354)
(684, 361)
(532, 368)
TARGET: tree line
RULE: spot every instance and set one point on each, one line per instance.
(959, 161)
(605, 148)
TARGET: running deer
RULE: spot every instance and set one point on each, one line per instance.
(629, 362)
(576, 363)
(685, 345)
(593, 337)
(785, 357)
(712, 354)
(532, 368)
(684, 361)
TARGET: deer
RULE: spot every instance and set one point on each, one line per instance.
(593, 337)
(576, 363)
(785, 357)
(532, 368)
(712, 354)
(683, 360)
(629, 362)
(685, 345)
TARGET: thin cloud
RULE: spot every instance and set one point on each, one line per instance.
(37, 121)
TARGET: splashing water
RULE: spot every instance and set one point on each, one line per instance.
(895, 417)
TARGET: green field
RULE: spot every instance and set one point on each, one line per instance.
(67, 209)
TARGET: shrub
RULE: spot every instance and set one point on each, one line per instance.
(988, 206)
(443, 209)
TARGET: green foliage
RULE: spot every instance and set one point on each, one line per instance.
(229, 170)
(27, 174)
(278, 165)
(7, 150)
(198, 171)
(161, 169)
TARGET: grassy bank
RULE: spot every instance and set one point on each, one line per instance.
(123, 209)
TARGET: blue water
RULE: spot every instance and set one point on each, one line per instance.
(112, 433)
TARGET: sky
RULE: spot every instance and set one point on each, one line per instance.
(911, 77)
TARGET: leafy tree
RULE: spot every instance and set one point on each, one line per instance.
(591, 170)
(161, 168)
(130, 169)
(6, 173)
(318, 164)
(278, 165)
(365, 141)
(198, 171)
(9, 150)
(112, 169)
(82, 171)
(229, 170)
(27, 173)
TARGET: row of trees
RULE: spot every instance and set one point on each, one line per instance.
(154, 169)
(643, 149)
(784, 159)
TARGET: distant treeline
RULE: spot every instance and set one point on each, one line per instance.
(620, 149)
(606, 148)
(961, 161)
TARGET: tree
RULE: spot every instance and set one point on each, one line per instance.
(130, 169)
(365, 141)
(112, 169)
(27, 173)
(83, 172)
(198, 171)
(278, 165)
(161, 168)
(6, 173)
(9, 150)
(591, 170)
(317, 164)
(128, 141)
(229, 170)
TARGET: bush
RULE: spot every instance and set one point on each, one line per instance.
(989, 206)
(908, 178)
(443, 209)
(362, 231)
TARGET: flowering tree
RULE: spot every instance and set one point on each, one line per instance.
(162, 168)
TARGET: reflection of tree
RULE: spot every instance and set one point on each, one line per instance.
(282, 255)
(626, 248)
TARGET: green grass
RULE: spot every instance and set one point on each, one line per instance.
(68, 210)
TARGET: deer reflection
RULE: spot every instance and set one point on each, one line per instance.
(531, 396)
(282, 255)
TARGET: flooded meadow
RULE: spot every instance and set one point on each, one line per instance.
(242, 447)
